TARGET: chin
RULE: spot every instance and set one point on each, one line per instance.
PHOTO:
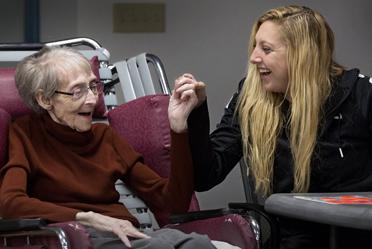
(270, 88)
(82, 128)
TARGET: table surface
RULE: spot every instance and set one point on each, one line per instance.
(353, 209)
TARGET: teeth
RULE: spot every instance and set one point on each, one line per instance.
(265, 71)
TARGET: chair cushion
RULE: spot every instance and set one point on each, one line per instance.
(11, 101)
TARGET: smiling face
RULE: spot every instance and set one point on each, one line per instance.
(76, 114)
(270, 57)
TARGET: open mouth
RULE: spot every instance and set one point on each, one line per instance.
(264, 72)
(85, 113)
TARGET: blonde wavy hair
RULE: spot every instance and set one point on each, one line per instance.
(310, 46)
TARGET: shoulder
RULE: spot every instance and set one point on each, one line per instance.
(365, 80)
(101, 127)
(359, 84)
(23, 120)
(354, 78)
(351, 85)
(104, 131)
(357, 89)
(26, 123)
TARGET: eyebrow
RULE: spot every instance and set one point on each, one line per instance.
(84, 82)
(79, 84)
(265, 43)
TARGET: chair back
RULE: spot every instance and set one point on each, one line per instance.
(139, 76)
(144, 123)
(10, 100)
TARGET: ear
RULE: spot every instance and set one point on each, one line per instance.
(44, 102)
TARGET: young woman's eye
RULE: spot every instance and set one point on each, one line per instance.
(266, 50)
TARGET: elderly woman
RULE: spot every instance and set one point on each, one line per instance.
(62, 167)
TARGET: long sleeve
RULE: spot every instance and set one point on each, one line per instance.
(15, 202)
(172, 194)
(214, 155)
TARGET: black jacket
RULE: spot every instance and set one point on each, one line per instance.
(342, 160)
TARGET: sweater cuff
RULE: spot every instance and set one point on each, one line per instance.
(199, 117)
(179, 139)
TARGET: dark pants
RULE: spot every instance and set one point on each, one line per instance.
(162, 238)
(296, 234)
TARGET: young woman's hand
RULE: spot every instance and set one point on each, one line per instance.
(188, 93)
(122, 228)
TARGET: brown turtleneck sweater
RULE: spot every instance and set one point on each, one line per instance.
(54, 172)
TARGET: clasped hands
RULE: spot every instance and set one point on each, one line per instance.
(188, 93)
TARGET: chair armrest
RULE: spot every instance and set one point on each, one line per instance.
(198, 215)
(245, 207)
(11, 225)
(70, 234)
(231, 228)
(260, 210)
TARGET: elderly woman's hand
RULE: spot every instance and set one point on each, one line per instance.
(122, 228)
(188, 93)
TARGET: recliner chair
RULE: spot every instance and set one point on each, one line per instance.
(143, 122)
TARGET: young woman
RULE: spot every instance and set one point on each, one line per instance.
(301, 121)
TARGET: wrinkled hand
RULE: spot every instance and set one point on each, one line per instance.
(188, 93)
(122, 228)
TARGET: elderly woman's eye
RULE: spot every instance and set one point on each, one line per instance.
(93, 86)
(77, 91)
(96, 86)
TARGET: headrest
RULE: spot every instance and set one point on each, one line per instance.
(100, 110)
(12, 103)
(9, 96)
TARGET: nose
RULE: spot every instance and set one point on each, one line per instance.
(255, 57)
(91, 98)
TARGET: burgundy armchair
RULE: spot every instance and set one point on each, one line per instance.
(143, 122)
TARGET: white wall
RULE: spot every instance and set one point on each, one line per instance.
(208, 38)
(58, 19)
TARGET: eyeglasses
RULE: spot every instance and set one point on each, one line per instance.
(81, 91)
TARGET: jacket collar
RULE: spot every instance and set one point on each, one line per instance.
(342, 87)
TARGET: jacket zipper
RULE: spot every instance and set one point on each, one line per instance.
(339, 118)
